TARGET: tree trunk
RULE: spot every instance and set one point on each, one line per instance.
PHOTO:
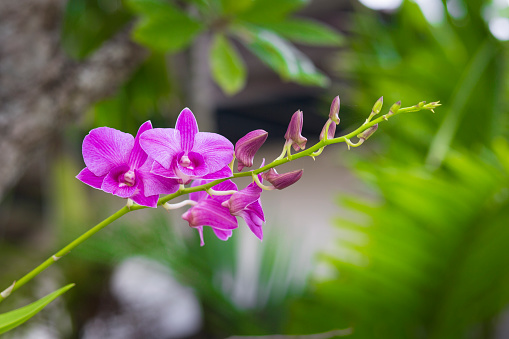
(41, 88)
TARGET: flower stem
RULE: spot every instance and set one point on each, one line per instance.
(51, 260)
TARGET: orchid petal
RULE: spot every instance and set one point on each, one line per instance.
(253, 221)
(90, 178)
(111, 183)
(217, 151)
(155, 184)
(200, 232)
(161, 144)
(209, 212)
(105, 148)
(157, 169)
(188, 128)
(140, 198)
(222, 235)
(247, 146)
(240, 200)
(224, 172)
(138, 155)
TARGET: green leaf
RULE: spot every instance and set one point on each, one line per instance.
(163, 27)
(307, 32)
(13, 319)
(271, 11)
(281, 56)
(151, 7)
(228, 69)
(235, 6)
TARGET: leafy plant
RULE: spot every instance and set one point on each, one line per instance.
(427, 259)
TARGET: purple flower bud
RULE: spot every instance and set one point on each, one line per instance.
(331, 132)
(334, 110)
(284, 180)
(247, 146)
(368, 132)
(293, 133)
(377, 107)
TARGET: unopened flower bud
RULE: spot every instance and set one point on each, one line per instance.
(331, 132)
(377, 107)
(247, 146)
(395, 107)
(368, 132)
(334, 110)
(280, 181)
(293, 133)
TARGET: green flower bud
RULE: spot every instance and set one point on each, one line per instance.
(377, 107)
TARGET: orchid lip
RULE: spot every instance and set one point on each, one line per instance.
(128, 179)
(185, 161)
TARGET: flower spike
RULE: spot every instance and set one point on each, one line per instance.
(247, 146)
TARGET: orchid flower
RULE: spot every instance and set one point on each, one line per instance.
(116, 164)
(246, 204)
(209, 211)
(184, 153)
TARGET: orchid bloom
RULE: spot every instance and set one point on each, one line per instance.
(246, 204)
(184, 153)
(116, 164)
(209, 211)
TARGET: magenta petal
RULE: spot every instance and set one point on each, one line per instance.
(138, 155)
(222, 235)
(155, 184)
(224, 172)
(200, 232)
(198, 167)
(247, 146)
(90, 178)
(105, 148)
(161, 144)
(160, 170)
(217, 151)
(140, 198)
(111, 183)
(188, 128)
(209, 212)
(240, 200)
(252, 218)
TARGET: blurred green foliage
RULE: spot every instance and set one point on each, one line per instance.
(426, 256)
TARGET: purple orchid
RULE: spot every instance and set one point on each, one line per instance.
(209, 211)
(116, 164)
(246, 204)
(184, 153)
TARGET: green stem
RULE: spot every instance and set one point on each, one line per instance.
(183, 190)
(51, 260)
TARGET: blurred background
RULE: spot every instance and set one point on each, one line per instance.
(404, 237)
